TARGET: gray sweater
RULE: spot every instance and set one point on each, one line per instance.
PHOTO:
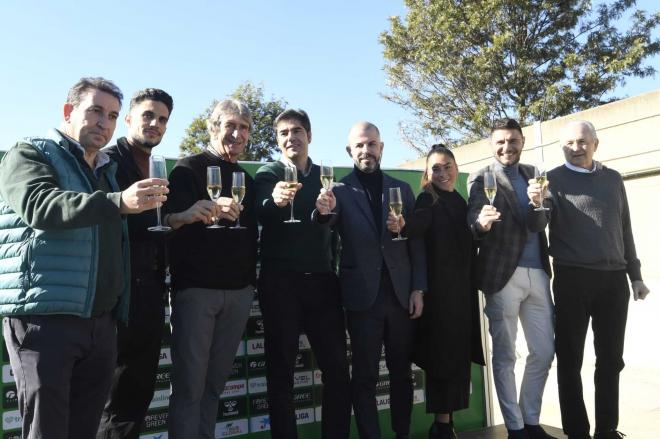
(589, 221)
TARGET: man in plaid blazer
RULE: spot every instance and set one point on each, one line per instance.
(513, 272)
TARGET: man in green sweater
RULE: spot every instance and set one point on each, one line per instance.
(64, 263)
(593, 250)
(298, 290)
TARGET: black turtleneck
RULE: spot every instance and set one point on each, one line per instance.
(372, 183)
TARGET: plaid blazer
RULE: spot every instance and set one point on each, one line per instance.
(500, 248)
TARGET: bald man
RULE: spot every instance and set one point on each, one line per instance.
(593, 248)
(382, 280)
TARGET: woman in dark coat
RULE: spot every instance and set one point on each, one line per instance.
(449, 336)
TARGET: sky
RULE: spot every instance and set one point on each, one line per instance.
(321, 56)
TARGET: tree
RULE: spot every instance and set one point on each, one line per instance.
(457, 65)
(262, 142)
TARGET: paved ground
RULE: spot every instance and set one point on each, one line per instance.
(640, 380)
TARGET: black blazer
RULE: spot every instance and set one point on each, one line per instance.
(364, 248)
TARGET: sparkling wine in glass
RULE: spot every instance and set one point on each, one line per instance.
(238, 193)
(490, 188)
(214, 188)
(541, 178)
(327, 177)
(157, 169)
(291, 177)
(396, 206)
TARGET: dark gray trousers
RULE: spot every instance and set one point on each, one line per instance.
(207, 326)
(63, 369)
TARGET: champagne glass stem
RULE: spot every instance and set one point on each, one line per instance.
(398, 229)
(159, 225)
(292, 218)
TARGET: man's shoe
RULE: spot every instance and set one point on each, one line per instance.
(518, 434)
(611, 434)
(537, 432)
(440, 430)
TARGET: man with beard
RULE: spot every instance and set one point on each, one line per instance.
(382, 280)
(65, 266)
(513, 272)
(298, 289)
(213, 273)
(139, 342)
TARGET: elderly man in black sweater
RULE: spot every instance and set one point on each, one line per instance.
(213, 273)
(593, 248)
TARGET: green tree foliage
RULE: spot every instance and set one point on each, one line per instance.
(262, 143)
(457, 65)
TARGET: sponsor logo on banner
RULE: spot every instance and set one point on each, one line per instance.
(255, 311)
(260, 423)
(256, 365)
(318, 377)
(303, 360)
(303, 379)
(161, 399)
(9, 398)
(236, 427)
(155, 421)
(232, 408)
(234, 388)
(418, 396)
(165, 358)
(7, 374)
(11, 419)
(257, 385)
(255, 327)
(383, 385)
(12, 435)
(303, 342)
(163, 378)
(258, 404)
(255, 346)
(303, 398)
(383, 402)
(240, 351)
(305, 416)
(155, 436)
(382, 368)
(238, 368)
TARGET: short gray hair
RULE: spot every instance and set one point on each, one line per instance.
(586, 123)
(232, 107)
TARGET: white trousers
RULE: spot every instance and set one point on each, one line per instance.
(525, 296)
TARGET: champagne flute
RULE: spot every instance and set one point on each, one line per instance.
(214, 188)
(157, 169)
(490, 188)
(291, 177)
(541, 178)
(238, 193)
(327, 176)
(396, 206)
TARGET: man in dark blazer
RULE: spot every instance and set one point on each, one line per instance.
(513, 272)
(382, 280)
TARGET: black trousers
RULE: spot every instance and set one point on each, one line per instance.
(388, 323)
(138, 346)
(602, 296)
(63, 367)
(295, 302)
